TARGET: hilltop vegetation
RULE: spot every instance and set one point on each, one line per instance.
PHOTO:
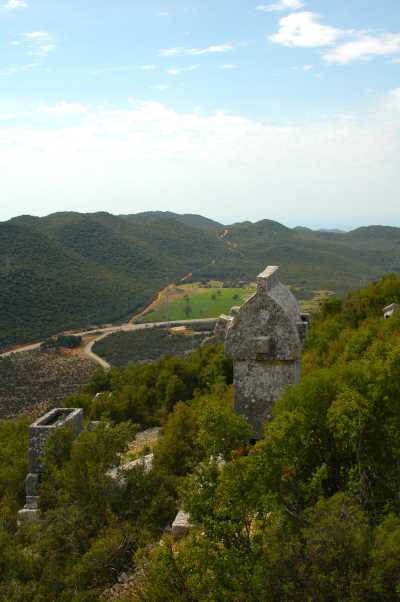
(196, 221)
(70, 271)
(311, 512)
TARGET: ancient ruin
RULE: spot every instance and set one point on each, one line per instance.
(264, 338)
(39, 432)
(390, 310)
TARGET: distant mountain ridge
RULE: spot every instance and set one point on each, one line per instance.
(71, 270)
(189, 219)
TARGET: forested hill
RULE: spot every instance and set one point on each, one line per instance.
(71, 270)
(190, 219)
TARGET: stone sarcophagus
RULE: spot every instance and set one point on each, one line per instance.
(265, 339)
(39, 432)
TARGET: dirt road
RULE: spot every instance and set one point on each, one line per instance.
(93, 336)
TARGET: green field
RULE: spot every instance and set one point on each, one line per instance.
(193, 302)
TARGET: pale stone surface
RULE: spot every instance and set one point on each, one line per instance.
(390, 310)
(181, 525)
(118, 473)
(220, 331)
(258, 385)
(28, 514)
(146, 462)
(264, 338)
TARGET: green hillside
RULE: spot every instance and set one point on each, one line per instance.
(71, 270)
(309, 513)
(309, 259)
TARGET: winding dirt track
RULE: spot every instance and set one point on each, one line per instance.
(102, 333)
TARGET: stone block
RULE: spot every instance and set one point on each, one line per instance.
(32, 484)
(32, 502)
(27, 514)
(181, 525)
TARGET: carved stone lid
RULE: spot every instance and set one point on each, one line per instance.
(266, 327)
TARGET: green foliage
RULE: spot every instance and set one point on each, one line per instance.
(221, 430)
(311, 512)
(146, 394)
(385, 570)
(62, 341)
(13, 465)
(91, 524)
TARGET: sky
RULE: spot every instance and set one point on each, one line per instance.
(284, 109)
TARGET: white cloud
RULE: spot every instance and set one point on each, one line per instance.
(7, 71)
(122, 69)
(181, 51)
(148, 67)
(307, 67)
(14, 4)
(40, 43)
(280, 6)
(109, 157)
(305, 30)
(393, 100)
(163, 14)
(8, 117)
(64, 108)
(159, 87)
(366, 47)
(229, 66)
(178, 72)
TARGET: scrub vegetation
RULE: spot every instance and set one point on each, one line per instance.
(310, 512)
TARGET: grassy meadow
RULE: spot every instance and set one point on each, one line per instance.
(194, 301)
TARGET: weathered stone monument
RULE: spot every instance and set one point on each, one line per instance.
(264, 338)
(39, 432)
(390, 310)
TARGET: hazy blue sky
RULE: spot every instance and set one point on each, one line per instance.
(288, 110)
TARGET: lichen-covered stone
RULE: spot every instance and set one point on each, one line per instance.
(264, 339)
(258, 385)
